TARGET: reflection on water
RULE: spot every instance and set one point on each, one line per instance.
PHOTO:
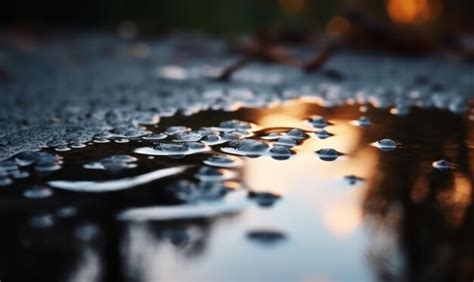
(189, 213)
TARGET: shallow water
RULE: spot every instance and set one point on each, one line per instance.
(255, 201)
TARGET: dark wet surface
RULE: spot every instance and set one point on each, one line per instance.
(264, 200)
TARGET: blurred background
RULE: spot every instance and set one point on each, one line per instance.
(434, 18)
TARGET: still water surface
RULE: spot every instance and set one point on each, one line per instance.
(278, 208)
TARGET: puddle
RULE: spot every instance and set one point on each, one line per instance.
(295, 192)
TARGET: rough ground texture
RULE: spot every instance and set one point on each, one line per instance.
(61, 89)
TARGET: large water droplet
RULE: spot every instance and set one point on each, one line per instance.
(280, 152)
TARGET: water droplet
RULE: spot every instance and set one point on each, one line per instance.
(211, 191)
(86, 232)
(212, 139)
(128, 132)
(184, 191)
(223, 161)
(323, 134)
(121, 140)
(62, 148)
(352, 179)
(264, 199)
(362, 122)
(155, 137)
(248, 147)
(18, 174)
(101, 140)
(38, 192)
(231, 136)
(266, 237)
(113, 164)
(187, 137)
(442, 165)
(66, 212)
(174, 149)
(196, 146)
(8, 165)
(318, 121)
(271, 136)
(47, 162)
(286, 141)
(78, 145)
(207, 173)
(235, 124)
(41, 221)
(296, 133)
(26, 158)
(177, 129)
(386, 144)
(280, 152)
(328, 154)
(171, 147)
(4, 179)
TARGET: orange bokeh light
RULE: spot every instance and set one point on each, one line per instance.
(292, 7)
(413, 11)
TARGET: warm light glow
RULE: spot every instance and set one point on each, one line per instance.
(456, 201)
(313, 182)
(413, 11)
(342, 218)
(338, 26)
(292, 7)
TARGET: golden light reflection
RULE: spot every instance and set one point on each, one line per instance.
(342, 218)
(455, 201)
(338, 26)
(318, 183)
(413, 11)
